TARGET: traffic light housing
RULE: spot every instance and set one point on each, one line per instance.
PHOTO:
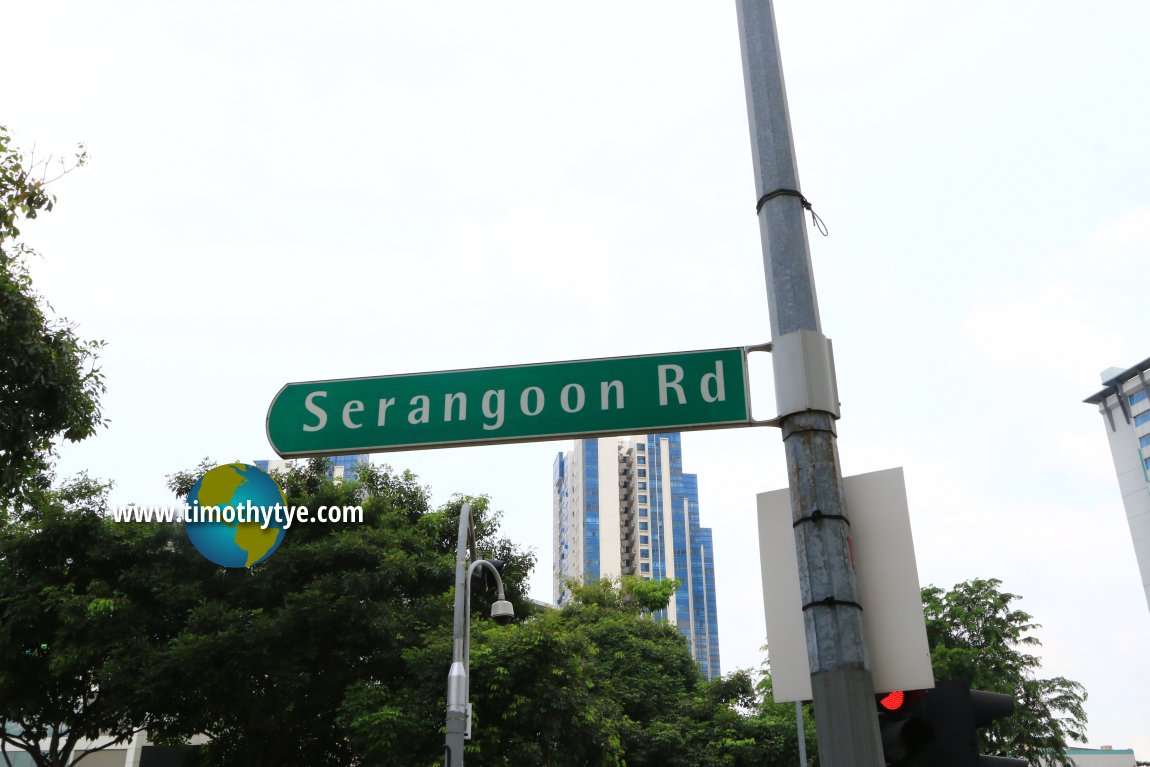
(986, 708)
(905, 731)
(482, 580)
(938, 727)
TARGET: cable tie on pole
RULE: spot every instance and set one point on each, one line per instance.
(818, 516)
(818, 222)
(831, 602)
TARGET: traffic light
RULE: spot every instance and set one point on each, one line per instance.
(986, 708)
(938, 727)
(482, 580)
(905, 731)
(956, 712)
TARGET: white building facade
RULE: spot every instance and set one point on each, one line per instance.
(1125, 406)
(1101, 757)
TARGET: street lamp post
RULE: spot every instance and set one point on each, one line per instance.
(502, 612)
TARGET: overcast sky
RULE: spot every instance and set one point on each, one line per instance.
(286, 191)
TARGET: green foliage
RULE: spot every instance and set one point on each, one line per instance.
(536, 700)
(782, 738)
(85, 603)
(600, 683)
(976, 635)
(49, 382)
(626, 593)
(335, 651)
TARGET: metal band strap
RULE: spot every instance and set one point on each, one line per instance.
(818, 222)
(818, 516)
(831, 602)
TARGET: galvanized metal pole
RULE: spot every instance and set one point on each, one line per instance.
(802, 734)
(846, 722)
(457, 682)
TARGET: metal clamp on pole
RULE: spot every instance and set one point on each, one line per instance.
(804, 370)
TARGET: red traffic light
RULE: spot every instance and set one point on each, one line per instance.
(898, 700)
(893, 701)
(905, 732)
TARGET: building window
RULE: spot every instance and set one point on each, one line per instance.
(641, 459)
(1146, 463)
(1144, 441)
(1137, 397)
(645, 553)
(642, 472)
(642, 525)
(644, 540)
(642, 512)
(1142, 419)
(642, 499)
(642, 485)
(644, 567)
(640, 447)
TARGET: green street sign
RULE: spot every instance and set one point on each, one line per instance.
(679, 391)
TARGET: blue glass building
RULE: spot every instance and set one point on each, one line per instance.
(625, 507)
(341, 466)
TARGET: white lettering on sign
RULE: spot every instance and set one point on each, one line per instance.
(384, 404)
(666, 383)
(565, 398)
(495, 412)
(448, 399)
(715, 381)
(572, 398)
(355, 406)
(525, 397)
(315, 410)
(605, 389)
(422, 413)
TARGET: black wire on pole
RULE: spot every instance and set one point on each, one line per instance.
(818, 222)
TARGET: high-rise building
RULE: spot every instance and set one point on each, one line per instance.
(341, 467)
(1125, 406)
(625, 507)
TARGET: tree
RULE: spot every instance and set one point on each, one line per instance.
(50, 385)
(535, 701)
(321, 655)
(84, 604)
(977, 636)
(780, 736)
(599, 682)
(335, 650)
(628, 593)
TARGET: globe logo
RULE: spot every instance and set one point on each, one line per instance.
(252, 531)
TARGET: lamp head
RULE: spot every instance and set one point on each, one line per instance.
(502, 612)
